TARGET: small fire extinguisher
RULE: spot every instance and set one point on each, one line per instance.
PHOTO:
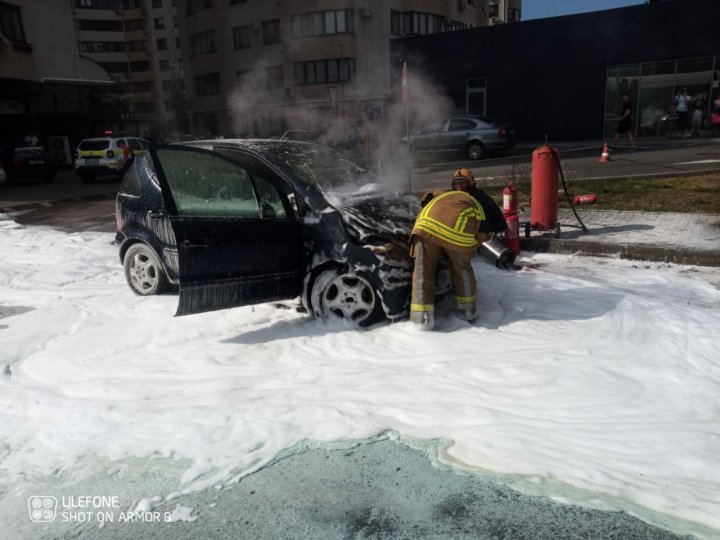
(510, 213)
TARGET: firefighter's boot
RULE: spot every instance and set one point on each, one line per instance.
(466, 311)
(424, 320)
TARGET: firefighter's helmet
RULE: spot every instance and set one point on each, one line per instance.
(463, 175)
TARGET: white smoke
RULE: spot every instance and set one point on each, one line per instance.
(372, 135)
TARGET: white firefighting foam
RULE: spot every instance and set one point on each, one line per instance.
(591, 374)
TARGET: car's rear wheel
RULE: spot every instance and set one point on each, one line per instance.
(475, 150)
(338, 293)
(143, 270)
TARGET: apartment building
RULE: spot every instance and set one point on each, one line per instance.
(503, 11)
(43, 79)
(257, 68)
(137, 43)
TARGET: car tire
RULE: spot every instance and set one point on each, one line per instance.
(143, 270)
(475, 150)
(341, 294)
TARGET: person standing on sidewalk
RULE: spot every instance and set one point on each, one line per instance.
(449, 223)
(625, 123)
(682, 102)
(715, 116)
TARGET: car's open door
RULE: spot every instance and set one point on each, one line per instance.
(238, 237)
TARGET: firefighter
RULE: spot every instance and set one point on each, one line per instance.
(449, 223)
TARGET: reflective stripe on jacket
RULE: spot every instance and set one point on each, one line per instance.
(451, 219)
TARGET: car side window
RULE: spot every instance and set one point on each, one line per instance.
(207, 185)
(460, 124)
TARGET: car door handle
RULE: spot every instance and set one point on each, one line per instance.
(154, 215)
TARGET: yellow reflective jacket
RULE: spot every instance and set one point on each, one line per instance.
(451, 220)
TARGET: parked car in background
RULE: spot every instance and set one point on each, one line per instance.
(104, 156)
(28, 163)
(3, 175)
(238, 222)
(475, 136)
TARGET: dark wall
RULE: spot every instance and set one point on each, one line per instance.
(548, 76)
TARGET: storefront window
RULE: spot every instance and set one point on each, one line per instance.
(653, 86)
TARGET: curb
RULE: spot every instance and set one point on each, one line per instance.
(632, 252)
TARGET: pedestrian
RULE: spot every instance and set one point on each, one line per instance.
(715, 116)
(31, 139)
(449, 223)
(682, 102)
(697, 118)
(625, 123)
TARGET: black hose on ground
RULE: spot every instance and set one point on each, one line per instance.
(567, 193)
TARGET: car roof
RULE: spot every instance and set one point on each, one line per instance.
(259, 146)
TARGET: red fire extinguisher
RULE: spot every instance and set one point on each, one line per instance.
(510, 212)
(544, 189)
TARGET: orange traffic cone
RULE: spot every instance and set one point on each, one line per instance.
(605, 156)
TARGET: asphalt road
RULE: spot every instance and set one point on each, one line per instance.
(71, 205)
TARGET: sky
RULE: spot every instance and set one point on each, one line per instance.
(588, 380)
(538, 9)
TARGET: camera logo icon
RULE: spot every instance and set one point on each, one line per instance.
(42, 508)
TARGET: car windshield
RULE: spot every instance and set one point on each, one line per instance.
(94, 145)
(28, 152)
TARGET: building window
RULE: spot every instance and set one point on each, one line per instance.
(206, 85)
(161, 44)
(271, 32)
(137, 67)
(134, 24)
(130, 4)
(102, 46)
(137, 45)
(167, 85)
(11, 23)
(395, 22)
(274, 77)
(157, 4)
(513, 14)
(98, 4)
(99, 25)
(241, 37)
(159, 23)
(416, 23)
(202, 43)
(164, 65)
(325, 71)
(193, 6)
(320, 23)
(494, 10)
(232, 2)
(177, 42)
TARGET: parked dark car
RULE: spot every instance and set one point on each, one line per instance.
(29, 163)
(244, 222)
(475, 136)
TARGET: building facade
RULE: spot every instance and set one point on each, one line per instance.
(137, 43)
(258, 68)
(563, 76)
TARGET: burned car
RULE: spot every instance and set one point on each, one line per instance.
(244, 222)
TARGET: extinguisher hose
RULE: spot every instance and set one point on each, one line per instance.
(567, 193)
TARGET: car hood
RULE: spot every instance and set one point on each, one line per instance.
(382, 218)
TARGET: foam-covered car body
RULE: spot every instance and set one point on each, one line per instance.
(267, 220)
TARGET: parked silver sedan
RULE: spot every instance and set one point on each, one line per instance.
(474, 136)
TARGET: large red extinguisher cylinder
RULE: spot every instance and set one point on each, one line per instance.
(544, 189)
(512, 233)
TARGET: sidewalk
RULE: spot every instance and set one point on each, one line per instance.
(692, 239)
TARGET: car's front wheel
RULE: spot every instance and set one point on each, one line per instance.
(143, 270)
(475, 150)
(339, 293)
